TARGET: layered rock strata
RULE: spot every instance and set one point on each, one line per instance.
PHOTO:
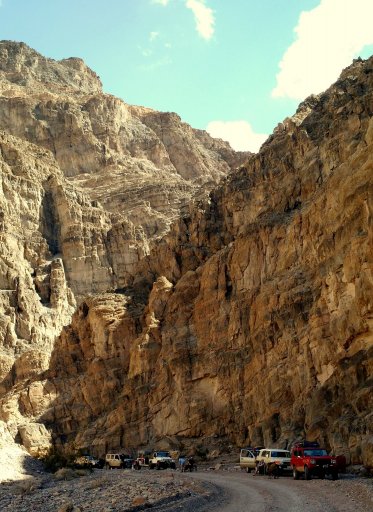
(252, 320)
(86, 186)
(137, 162)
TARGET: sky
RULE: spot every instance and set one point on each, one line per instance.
(235, 68)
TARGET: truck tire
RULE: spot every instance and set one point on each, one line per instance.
(307, 473)
(248, 470)
(296, 473)
(335, 475)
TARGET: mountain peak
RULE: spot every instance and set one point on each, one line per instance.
(22, 66)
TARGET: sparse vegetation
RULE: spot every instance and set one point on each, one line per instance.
(27, 486)
(69, 473)
(56, 460)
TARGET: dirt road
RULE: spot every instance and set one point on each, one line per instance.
(242, 492)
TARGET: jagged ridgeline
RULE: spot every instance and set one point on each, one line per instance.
(245, 316)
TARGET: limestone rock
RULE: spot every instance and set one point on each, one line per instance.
(134, 161)
(251, 321)
(85, 188)
(35, 438)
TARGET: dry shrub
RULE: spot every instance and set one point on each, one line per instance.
(66, 474)
(98, 482)
(27, 486)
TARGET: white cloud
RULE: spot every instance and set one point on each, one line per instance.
(239, 134)
(327, 39)
(204, 17)
(146, 52)
(153, 36)
(162, 2)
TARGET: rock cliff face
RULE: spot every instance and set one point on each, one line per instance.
(134, 161)
(252, 320)
(88, 183)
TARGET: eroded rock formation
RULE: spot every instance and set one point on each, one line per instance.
(135, 161)
(86, 187)
(252, 320)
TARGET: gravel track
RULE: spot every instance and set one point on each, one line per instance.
(241, 492)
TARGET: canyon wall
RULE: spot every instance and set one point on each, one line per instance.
(87, 186)
(135, 161)
(251, 321)
(248, 320)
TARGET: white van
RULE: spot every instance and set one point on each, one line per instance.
(247, 459)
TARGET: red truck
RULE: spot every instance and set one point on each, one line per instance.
(308, 459)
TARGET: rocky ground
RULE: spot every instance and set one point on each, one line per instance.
(218, 486)
(99, 491)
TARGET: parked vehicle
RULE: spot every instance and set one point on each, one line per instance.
(247, 459)
(280, 457)
(88, 461)
(118, 460)
(341, 463)
(308, 459)
(143, 457)
(162, 460)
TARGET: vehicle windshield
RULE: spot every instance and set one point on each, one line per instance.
(315, 453)
(163, 454)
(281, 454)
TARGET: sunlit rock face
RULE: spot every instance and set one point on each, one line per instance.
(86, 187)
(135, 161)
(252, 320)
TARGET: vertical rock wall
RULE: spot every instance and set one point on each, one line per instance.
(252, 320)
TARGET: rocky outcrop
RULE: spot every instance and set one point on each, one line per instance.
(137, 162)
(251, 321)
(86, 187)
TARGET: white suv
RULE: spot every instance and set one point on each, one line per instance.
(161, 460)
(280, 457)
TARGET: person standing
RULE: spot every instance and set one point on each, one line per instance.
(182, 461)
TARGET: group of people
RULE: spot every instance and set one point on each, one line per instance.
(271, 469)
(187, 463)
